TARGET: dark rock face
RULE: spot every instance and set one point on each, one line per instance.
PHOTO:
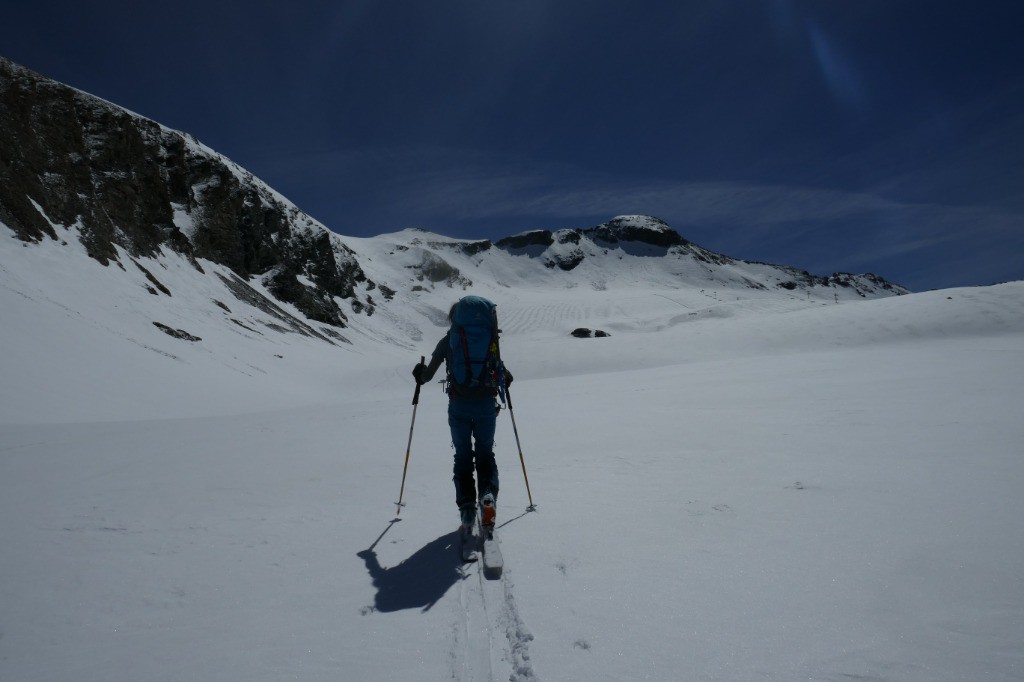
(864, 285)
(122, 179)
(542, 238)
(468, 248)
(55, 145)
(566, 262)
(656, 233)
(176, 333)
(639, 235)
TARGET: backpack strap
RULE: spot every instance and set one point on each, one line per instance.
(465, 353)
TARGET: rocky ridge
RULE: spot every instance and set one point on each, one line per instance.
(70, 159)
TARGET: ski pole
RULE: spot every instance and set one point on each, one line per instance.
(515, 430)
(408, 448)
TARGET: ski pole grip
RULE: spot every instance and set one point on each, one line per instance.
(416, 393)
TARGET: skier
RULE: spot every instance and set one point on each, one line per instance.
(472, 406)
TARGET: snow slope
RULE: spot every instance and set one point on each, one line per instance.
(733, 486)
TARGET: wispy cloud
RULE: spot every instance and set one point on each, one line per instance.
(840, 74)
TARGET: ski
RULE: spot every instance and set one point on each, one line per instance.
(493, 561)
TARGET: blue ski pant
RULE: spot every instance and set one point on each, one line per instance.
(472, 424)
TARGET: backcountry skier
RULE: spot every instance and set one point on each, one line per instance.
(475, 377)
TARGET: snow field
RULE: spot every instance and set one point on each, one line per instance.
(846, 512)
(772, 489)
(812, 517)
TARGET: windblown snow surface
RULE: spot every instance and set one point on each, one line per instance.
(735, 485)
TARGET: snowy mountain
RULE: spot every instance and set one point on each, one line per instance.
(757, 474)
(88, 174)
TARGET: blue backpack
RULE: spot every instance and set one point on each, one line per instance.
(474, 360)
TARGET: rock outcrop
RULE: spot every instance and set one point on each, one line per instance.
(70, 159)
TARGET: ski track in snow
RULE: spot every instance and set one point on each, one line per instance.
(519, 637)
(489, 636)
(471, 652)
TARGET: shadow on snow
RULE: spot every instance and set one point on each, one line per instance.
(419, 581)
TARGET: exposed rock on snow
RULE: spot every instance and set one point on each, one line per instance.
(176, 333)
(584, 333)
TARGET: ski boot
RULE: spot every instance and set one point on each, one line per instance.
(468, 515)
(468, 540)
(488, 510)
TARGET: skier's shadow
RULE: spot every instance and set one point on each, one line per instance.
(419, 581)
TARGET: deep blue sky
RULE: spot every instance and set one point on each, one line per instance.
(855, 135)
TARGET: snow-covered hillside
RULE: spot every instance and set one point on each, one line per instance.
(209, 329)
(88, 174)
(738, 483)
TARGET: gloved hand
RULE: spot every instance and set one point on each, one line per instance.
(508, 378)
(418, 371)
